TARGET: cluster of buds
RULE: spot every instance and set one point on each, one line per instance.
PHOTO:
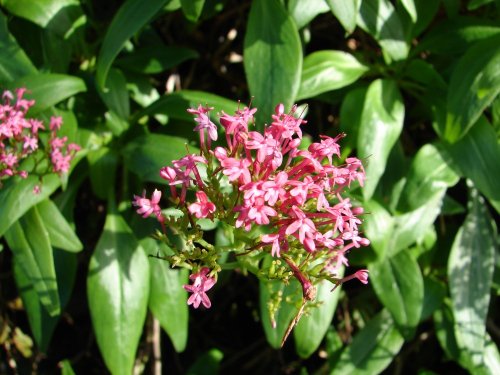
(281, 200)
(20, 138)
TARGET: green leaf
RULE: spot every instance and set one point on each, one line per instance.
(434, 294)
(103, 163)
(304, 12)
(29, 241)
(312, 327)
(17, 197)
(66, 368)
(430, 173)
(328, 70)
(60, 232)
(470, 273)
(474, 84)
(49, 89)
(118, 292)
(116, 95)
(147, 154)
(411, 8)
(474, 4)
(168, 299)
(443, 321)
(381, 21)
(381, 124)
(378, 226)
(272, 57)
(372, 349)
(155, 59)
(14, 63)
(476, 155)
(207, 364)
(350, 115)
(399, 285)
(192, 9)
(456, 35)
(57, 15)
(129, 19)
(346, 12)
(175, 105)
(289, 297)
(41, 323)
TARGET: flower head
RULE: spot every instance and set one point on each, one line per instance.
(201, 284)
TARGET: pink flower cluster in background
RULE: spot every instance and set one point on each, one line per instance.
(296, 193)
(19, 138)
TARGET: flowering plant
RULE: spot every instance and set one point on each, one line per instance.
(278, 199)
(21, 151)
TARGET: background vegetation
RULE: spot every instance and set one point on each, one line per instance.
(413, 83)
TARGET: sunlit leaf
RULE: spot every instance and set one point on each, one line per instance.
(192, 9)
(346, 12)
(304, 12)
(272, 57)
(118, 292)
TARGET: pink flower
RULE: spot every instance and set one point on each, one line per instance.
(203, 208)
(149, 206)
(201, 284)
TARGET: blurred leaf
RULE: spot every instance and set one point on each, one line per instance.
(60, 232)
(272, 58)
(434, 294)
(192, 9)
(118, 292)
(29, 241)
(381, 21)
(66, 368)
(175, 105)
(312, 327)
(304, 12)
(443, 321)
(470, 273)
(491, 356)
(474, 4)
(399, 285)
(290, 296)
(207, 364)
(56, 15)
(17, 197)
(426, 12)
(456, 35)
(381, 124)
(328, 70)
(372, 349)
(49, 89)
(129, 19)
(378, 225)
(350, 115)
(147, 154)
(474, 84)
(168, 299)
(41, 323)
(476, 155)
(141, 89)
(411, 8)
(14, 63)
(346, 11)
(155, 59)
(115, 123)
(429, 174)
(116, 95)
(103, 163)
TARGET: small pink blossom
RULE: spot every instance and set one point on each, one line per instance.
(149, 206)
(203, 208)
(201, 284)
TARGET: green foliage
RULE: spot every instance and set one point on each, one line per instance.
(415, 86)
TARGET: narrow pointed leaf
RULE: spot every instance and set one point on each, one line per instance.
(381, 125)
(378, 226)
(304, 12)
(116, 96)
(272, 57)
(29, 241)
(60, 232)
(328, 70)
(49, 89)
(399, 284)
(14, 63)
(290, 296)
(312, 327)
(372, 349)
(411, 8)
(129, 19)
(474, 84)
(118, 292)
(470, 271)
(17, 197)
(380, 19)
(192, 9)
(346, 12)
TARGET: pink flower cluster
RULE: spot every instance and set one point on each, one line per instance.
(296, 193)
(19, 137)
